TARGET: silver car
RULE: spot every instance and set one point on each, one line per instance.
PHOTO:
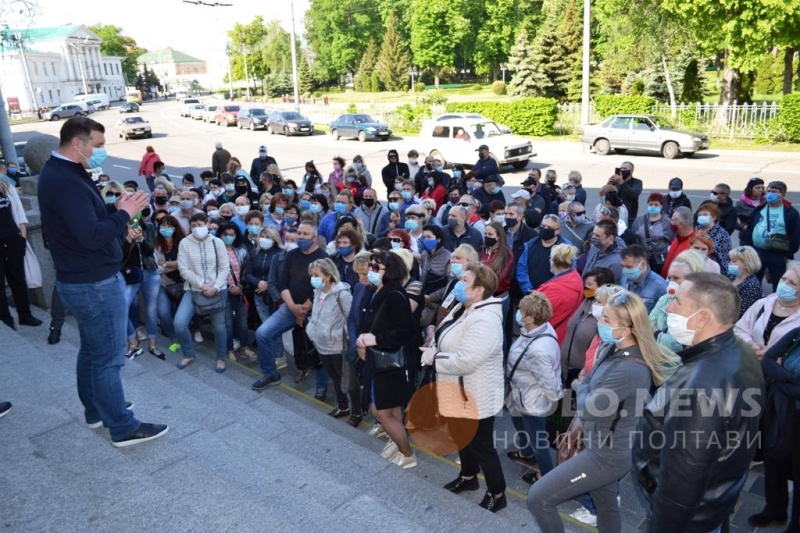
(643, 132)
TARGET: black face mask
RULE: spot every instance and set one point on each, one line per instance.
(227, 217)
(369, 202)
(512, 222)
(241, 189)
(489, 241)
(145, 212)
(625, 174)
(161, 200)
(547, 233)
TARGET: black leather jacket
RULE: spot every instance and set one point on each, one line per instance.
(691, 460)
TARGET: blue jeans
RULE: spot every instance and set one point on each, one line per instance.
(151, 286)
(164, 312)
(101, 313)
(268, 338)
(183, 317)
(263, 309)
(236, 320)
(130, 293)
(534, 440)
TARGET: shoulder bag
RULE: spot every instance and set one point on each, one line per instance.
(509, 399)
(776, 242)
(384, 361)
(208, 305)
(133, 274)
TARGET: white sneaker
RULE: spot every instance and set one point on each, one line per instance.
(141, 334)
(376, 431)
(404, 462)
(583, 515)
(236, 344)
(198, 336)
(281, 362)
(389, 450)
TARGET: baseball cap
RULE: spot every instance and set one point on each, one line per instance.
(262, 148)
(483, 147)
(494, 178)
(522, 193)
(675, 184)
(528, 182)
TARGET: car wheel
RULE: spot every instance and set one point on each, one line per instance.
(362, 137)
(55, 117)
(150, 135)
(252, 127)
(602, 146)
(286, 131)
(436, 154)
(670, 150)
(335, 135)
(519, 165)
(270, 130)
(621, 151)
(689, 154)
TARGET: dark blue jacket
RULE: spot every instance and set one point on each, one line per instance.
(523, 277)
(485, 167)
(484, 198)
(84, 234)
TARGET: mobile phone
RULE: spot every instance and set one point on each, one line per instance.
(617, 172)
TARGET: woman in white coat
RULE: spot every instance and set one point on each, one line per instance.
(468, 357)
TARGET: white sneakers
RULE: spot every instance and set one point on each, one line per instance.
(376, 431)
(389, 450)
(404, 462)
(583, 515)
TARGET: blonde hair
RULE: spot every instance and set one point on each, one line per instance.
(406, 256)
(117, 186)
(748, 256)
(362, 259)
(327, 267)
(692, 259)
(271, 232)
(575, 176)
(428, 203)
(417, 210)
(564, 206)
(632, 313)
(265, 199)
(4, 188)
(273, 169)
(466, 251)
(537, 306)
(605, 189)
(562, 255)
(606, 291)
(228, 205)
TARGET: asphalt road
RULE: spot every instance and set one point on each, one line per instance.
(186, 145)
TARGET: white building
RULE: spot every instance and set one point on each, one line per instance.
(175, 69)
(55, 64)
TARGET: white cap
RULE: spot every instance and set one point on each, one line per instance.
(262, 148)
(522, 193)
(218, 144)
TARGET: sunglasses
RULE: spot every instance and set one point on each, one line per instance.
(396, 239)
(463, 204)
(376, 267)
(114, 194)
(577, 214)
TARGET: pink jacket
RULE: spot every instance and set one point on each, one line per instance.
(750, 328)
(146, 166)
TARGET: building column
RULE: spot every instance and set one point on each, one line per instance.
(68, 60)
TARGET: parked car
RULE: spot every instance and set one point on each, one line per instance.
(197, 112)
(128, 107)
(99, 100)
(643, 132)
(185, 106)
(209, 113)
(360, 126)
(289, 123)
(135, 126)
(456, 140)
(448, 116)
(254, 118)
(64, 111)
(226, 114)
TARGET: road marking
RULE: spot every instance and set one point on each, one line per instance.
(120, 166)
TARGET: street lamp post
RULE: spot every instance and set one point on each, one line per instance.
(587, 18)
(246, 72)
(230, 70)
(295, 77)
(503, 68)
(414, 72)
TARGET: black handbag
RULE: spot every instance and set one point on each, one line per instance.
(208, 305)
(776, 242)
(133, 274)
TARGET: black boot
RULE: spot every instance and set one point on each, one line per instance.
(8, 321)
(29, 320)
(55, 335)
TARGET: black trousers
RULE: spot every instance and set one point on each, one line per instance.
(480, 454)
(12, 268)
(333, 364)
(775, 262)
(57, 311)
(777, 471)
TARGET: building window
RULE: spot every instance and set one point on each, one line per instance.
(36, 68)
(53, 68)
(44, 66)
(105, 68)
(50, 92)
(58, 91)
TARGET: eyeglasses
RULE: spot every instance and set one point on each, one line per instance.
(396, 239)
(394, 198)
(392, 157)
(463, 204)
(577, 214)
(376, 267)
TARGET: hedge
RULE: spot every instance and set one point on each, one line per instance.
(789, 117)
(607, 105)
(526, 116)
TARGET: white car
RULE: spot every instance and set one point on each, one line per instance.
(185, 106)
(210, 113)
(456, 140)
(197, 112)
(448, 116)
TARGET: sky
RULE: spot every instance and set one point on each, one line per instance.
(197, 30)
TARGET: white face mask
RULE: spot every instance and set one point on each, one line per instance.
(675, 194)
(200, 232)
(500, 219)
(672, 288)
(242, 210)
(213, 213)
(412, 160)
(265, 244)
(597, 311)
(289, 246)
(677, 327)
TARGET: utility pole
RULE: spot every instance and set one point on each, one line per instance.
(230, 71)
(295, 77)
(6, 140)
(246, 72)
(587, 19)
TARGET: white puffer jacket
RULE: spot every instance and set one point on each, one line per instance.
(536, 383)
(328, 319)
(469, 362)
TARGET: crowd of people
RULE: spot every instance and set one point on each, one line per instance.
(513, 303)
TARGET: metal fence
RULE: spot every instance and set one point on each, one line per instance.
(735, 120)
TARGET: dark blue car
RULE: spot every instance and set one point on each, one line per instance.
(359, 126)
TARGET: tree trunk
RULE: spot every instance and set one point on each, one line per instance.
(788, 71)
(436, 78)
(673, 108)
(731, 85)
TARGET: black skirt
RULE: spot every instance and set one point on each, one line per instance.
(390, 389)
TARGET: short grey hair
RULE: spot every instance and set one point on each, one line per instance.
(459, 209)
(684, 215)
(575, 176)
(218, 144)
(574, 205)
(725, 188)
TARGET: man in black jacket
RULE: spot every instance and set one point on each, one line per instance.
(261, 163)
(696, 438)
(395, 169)
(721, 195)
(629, 189)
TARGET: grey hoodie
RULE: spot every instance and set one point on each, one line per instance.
(327, 321)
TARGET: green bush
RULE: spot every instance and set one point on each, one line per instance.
(477, 87)
(352, 109)
(499, 87)
(606, 105)
(375, 81)
(788, 119)
(408, 118)
(419, 87)
(526, 116)
(435, 98)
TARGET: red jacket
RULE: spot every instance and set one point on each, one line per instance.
(146, 166)
(438, 194)
(565, 293)
(679, 244)
(505, 277)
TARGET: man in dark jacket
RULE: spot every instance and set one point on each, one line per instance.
(696, 438)
(721, 195)
(395, 169)
(776, 217)
(84, 236)
(459, 232)
(675, 198)
(486, 165)
(261, 163)
(490, 191)
(629, 189)
(219, 160)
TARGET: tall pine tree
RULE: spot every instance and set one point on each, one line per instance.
(520, 62)
(394, 60)
(305, 79)
(570, 34)
(363, 78)
(551, 65)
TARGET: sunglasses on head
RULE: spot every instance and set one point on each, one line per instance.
(394, 199)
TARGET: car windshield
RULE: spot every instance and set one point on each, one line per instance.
(362, 119)
(485, 129)
(293, 115)
(133, 120)
(211, 108)
(661, 122)
(257, 112)
(231, 108)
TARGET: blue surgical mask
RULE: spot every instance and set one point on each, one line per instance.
(460, 292)
(701, 254)
(253, 229)
(344, 251)
(374, 277)
(581, 219)
(411, 225)
(407, 195)
(304, 244)
(518, 318)
(439, 168)
(734, 270)
(358, 166)
(172, 209)
(394, 206)
(496, 190)
(111, 200)
(606, 334)
(288, 192)
(653, 210)
(279, 210)
(166, 232)
(305, 205)
(290, 220)
(315, 208)
(632, 274)
(228, 239)
(772, 197)
(98, 157)
(785, 292)
(396, 245)
(316, 282)
(187, 204)
(429, 244)
(704, 220)
(456, 269)
(456, 174)
(340, 207)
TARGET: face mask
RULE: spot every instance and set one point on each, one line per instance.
(412, 160)
(212, 232)
(430, 183)
(161, 200)
(772, 197)
(439, 168)
(305, 205)
(349, 179)
(396, 245)
(672, 288)
(470, 187)
(253, 229)
(216, 193)
(456, 269)
(289, 246)
(288, 192)
(166, 232)
(496, 190)
(214, 213)
(597, 243)
(174, 209)
(317, 282)
(704, 220)
(317, 188)
(653, 210)
(200, 232)
(374, 277)
(625, 174)
(785, 292)
(452, 223)
(345, 251)
(563, 215)
(279, 210)
(98, 157)
(242, 210)
(500, 219)
(547, 233)
(677, 326)
(589, 293)
(460, 292)
(411, 225)
(456, 174)
(632, 274)
(290, 220)
(265, 244)
(13, 171)
(581, 219)
(712, 197)
(228, 239)
(606, 334)
(326, 194)
(407, 195)
(206, 183)
(359, 166)
(340, 207)
(111, 200)
(394, 206)
(675, 194)
(429, 244)
(304, 244)
(240, 189)
(701, 254)
(734, 270)
(187, 204)
(518, 318)
(512, 222)
(315, 208)
(262, 155)
(489, 241)
(674, 228)
(453, 201)
(597, 311)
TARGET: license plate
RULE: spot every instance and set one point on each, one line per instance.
(383, 133)
(138, 131)
(303, 129)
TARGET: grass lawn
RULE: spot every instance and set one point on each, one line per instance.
(456, 94)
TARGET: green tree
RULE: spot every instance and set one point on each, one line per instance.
(275, 49)
(495, 35)
(247, 39)
(437, 27)
(394, 60)
(305, 79)
(520, 61)
(114, 43)
(363, 78)
(551, 71)
(570, 35)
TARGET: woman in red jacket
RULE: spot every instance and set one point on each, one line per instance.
(565, 289)
(149, 159)
(434, 189)
(497, 255)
